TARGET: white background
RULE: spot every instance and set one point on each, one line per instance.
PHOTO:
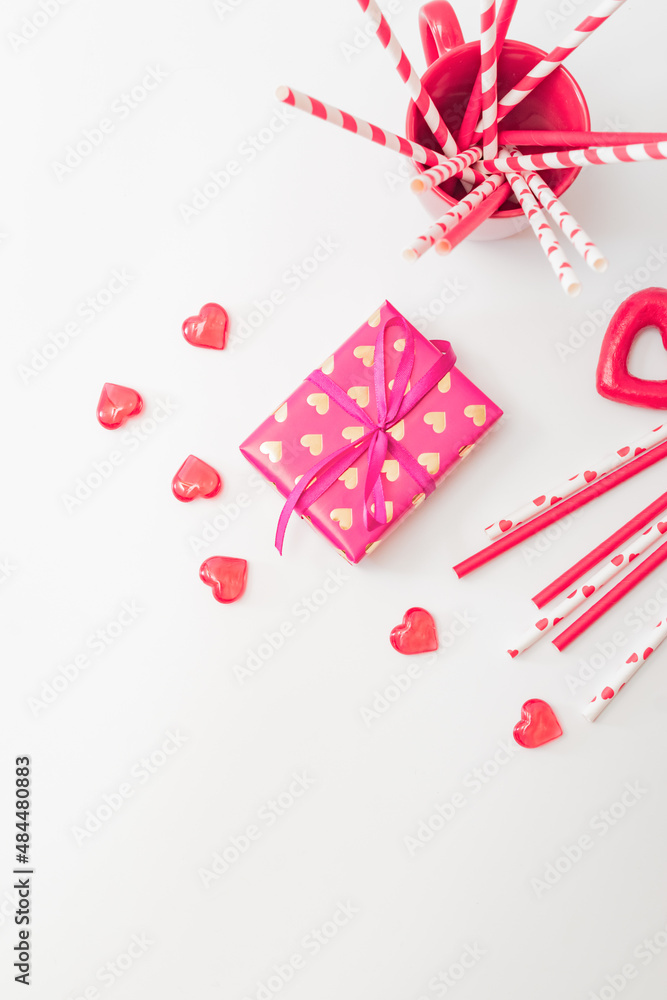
(172, 669)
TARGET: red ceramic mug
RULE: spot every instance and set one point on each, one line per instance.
(557, 103)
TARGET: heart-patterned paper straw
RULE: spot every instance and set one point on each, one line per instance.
(381, 136)
(611, 597)
(639, 152)
(618, 562)
(573, 140)
(601, 551)
(609, 463)
(474, 108)
(637, 659)
(545, 234)
(440, 228)
(452, 168)
(513, 538)
(554, 59)
(580, 240)
(489, 71)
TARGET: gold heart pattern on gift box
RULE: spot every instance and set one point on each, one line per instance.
(308, 426)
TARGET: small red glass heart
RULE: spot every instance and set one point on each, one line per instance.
(538, 724)
(226, 576)
(208, 328)
(647, 307)
(417, 634)
(117, 404)
(195, 479)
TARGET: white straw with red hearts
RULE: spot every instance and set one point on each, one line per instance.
(618, 458)
(618, 562)
(628, 669)
(457, 212)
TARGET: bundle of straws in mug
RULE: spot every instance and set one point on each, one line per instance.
(488, 162)
(613, 556)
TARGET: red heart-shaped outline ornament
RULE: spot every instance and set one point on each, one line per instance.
(117, 403)
(195, 478)
(647, 307)
(538, 724)
(208, 328)
(226, 576)
(416, 634)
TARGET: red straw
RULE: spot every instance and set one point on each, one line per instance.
(598, 609)
(572, 140)
(472, 220)
(474, 109)
(547, 517)
(601, 551)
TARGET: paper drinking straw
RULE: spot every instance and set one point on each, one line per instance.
(572, 140)
(628, 669)
(489, 71)
(554, 59)
(459, 230)
(553, 514)
(615, 460)
(639, 152)
(545, 234)
(452, 168)
(360, 127)
(580, 240)
(620, 561)
(601, 551)
(439, 229)
(612, 597)
(474, 108)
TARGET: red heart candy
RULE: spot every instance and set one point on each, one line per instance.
(607, 693)
(587, 591)
(647, 307)
(504, 525)
(208, 328)
(417, 634)
(225, 576)
(117, 404)
(538, 724)
(195, 479)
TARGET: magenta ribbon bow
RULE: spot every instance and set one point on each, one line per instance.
(391, 409)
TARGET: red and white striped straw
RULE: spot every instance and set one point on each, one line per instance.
(489, 70)
(619, 561)
(639, 152)
(472, 112)
(626, 671)
(459, 230)
(381, 136)
(440, 228)
(574, 140)
(622, 456)
(545, 234)
(452, 168)
(580, 240)
(407, 73)
(554, 59)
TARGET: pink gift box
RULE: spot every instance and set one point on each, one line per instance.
(323, 431)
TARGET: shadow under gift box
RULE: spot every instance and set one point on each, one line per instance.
(440, 429)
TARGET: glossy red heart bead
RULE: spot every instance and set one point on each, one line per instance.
(538, 724)
(208, 328)
(647, 307)
(195, 478)
(226, 576)
(117, 404)
(416, 634)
